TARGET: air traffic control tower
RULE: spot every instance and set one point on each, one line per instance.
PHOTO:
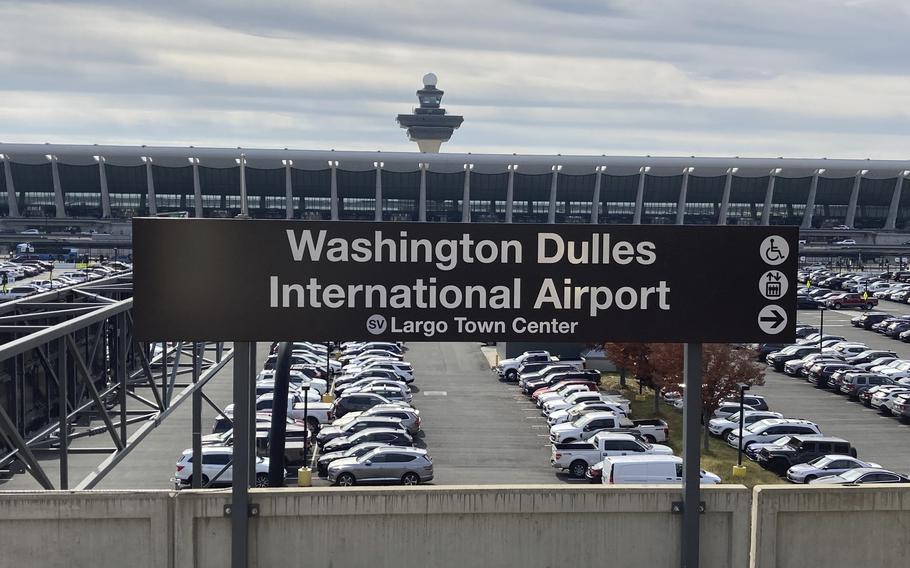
(429, 125)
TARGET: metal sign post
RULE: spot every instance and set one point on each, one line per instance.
(692, 372)
(242, 456)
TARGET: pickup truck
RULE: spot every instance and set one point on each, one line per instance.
(577, 457)
(316, 412)
(852, 301)
(507, 369)
(652, 430)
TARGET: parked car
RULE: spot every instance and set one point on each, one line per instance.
(214, 460)
(728, 408)
(356, 402)
(351, 427)
(390, 436)
(648, 470)
(722, 426)
(771, 429)
(861, 476)
(824, 466)
(801, 450)
(322, 464)
(577, 457)
(408, 466)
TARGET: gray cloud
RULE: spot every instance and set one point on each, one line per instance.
(810, 78)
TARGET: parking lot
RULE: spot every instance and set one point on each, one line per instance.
(878, 438)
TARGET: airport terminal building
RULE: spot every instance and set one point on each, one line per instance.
(93, 183)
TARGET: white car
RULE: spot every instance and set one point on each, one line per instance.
(214, 460)
(723, 426)
(771, 429)
(846, 242)
(562, 393)
(30, 232)
(401, 368)
(823, 466)
(650, 469)
(574, 412)
(727, 408)
(885, 395)
(582, 396)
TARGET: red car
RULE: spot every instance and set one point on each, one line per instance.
(590, 386)
(852, 301)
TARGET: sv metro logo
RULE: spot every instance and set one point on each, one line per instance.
(376, 324)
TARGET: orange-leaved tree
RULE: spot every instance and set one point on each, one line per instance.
(724, 368)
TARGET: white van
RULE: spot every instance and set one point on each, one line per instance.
(649, 469)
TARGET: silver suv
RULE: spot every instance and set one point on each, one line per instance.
(408, 466)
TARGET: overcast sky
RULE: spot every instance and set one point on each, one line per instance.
(796, 78)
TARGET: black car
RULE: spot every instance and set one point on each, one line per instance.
(765, 349)
(868, 319)
(585, 374)
(869, 356)
(801, 449)
(357, 402)
(383, 435)
(804, 302)
(819, 375)
(895, 329)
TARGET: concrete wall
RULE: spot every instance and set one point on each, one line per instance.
(62, 529)
(486, 527)
(802, 526)
(489, 527)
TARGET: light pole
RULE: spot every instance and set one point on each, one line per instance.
(742, 421)
(821, 328)
(306, 423)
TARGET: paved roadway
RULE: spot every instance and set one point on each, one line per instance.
(477, 429)
(878, 438)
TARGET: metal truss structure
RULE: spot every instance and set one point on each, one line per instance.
(70, 368)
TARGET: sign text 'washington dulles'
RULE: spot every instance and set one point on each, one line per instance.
(263, 280)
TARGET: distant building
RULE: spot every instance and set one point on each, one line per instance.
(118, 182)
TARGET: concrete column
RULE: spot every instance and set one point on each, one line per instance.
(769, 197)
(595, 199)
(681, 202)
(244, 199)
(378, 205)
(58, 189)
(10, 187)
(510, 193)
(333, 199)
(725, 200)
(105, 194)
(891, 221)
(150, 186)
(466, 195)
(551, 211)
(288, 190)
(640, 196)
(197, 188)
(810, 203)
(422, 194)
(854, 198)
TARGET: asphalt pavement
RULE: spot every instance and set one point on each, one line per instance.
(878, 438)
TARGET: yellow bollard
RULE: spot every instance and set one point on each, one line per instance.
(327, 397)
(304, 477)
(739, 471)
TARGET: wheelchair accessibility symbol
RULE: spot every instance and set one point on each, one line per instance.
(774, 250)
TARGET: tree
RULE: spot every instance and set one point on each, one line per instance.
(724, 368)
(634, 358)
